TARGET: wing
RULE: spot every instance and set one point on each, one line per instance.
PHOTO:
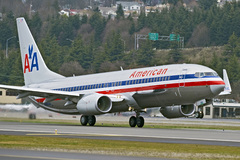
(51, 94)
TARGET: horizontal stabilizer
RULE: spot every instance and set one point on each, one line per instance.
(25, 91)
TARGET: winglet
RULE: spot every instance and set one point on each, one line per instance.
(227, 89)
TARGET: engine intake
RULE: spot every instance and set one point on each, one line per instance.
(94, 104)
(178, 111)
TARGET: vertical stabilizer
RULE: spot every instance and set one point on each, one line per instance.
(34, 67)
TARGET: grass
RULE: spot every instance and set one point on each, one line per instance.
(126, 148)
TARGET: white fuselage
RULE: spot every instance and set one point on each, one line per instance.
(150, 87)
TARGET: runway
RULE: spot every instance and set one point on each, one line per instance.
(184, 136)
(13, 154)
(181, 136)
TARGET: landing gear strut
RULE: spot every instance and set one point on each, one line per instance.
(138, 120)
(91, 120)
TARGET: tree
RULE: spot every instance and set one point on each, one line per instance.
(145, 54)
(71, 68)
(174, 2)
(84, 19)
(200, 36)
(132, 29)
(16, 73)
(35, 23)
(175, 55)
(141, 21)
(98, 23)
(233, 46)
(5, 32)
(233, 68)
(74, 21)
(114, 48)
(206, 4)
(62, 28)
(51, 52)
(80, 52)
(120, 12)
(216, 63)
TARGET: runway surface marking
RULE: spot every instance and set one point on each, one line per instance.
(35, 157)
(118, 135)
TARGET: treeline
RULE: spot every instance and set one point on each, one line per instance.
(90, 44)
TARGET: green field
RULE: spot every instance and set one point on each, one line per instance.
(114, 147)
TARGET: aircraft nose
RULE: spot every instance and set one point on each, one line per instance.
(216, 89)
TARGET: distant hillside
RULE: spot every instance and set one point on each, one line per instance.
(200, 55)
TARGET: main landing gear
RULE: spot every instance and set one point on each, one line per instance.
(91, 120)
(138, 120)
(199, 114)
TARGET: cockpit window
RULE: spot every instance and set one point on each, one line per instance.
(197, 74)
(209, 74)
(202, 74)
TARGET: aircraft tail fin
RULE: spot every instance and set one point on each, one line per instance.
(34, 67)
(227, 89)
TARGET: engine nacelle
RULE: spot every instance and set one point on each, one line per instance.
(178, 111)
(94, 104)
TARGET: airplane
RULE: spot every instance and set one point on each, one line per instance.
(175, 88)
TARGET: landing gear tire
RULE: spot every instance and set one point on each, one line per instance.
(132, 121)
(84, 120)
(32, 116)
(91, 120)
(140, 121)
(200, 114)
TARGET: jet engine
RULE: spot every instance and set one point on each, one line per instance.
(178, 111)
(94, 104)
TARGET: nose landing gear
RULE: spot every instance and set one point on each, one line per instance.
(199, 114)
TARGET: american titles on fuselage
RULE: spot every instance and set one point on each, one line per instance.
(146, 73)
